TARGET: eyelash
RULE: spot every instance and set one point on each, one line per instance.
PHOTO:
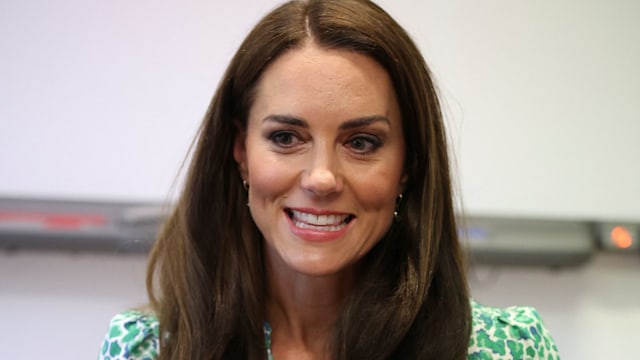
(371, 143)
(276, 138)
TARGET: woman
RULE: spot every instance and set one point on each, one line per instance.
(317, 220)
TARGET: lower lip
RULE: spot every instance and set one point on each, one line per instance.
(313, 235)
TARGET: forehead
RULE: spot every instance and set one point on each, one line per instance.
(310, 77)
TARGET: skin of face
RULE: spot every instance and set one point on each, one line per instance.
(323, 154)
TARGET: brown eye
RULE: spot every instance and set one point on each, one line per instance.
(284, 138)
(364, 144)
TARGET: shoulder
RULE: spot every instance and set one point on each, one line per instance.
(132, 335)
(512, 333)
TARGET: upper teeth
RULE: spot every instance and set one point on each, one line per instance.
(319, 220)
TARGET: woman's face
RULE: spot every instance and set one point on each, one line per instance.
(323, 155)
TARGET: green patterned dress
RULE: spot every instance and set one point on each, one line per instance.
(511, 333)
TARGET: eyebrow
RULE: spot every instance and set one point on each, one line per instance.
(349, 124)
(287, 120)
(363, 121)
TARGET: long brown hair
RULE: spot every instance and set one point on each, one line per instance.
(205, 277)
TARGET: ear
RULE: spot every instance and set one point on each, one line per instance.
(240, 153)
(403, 182)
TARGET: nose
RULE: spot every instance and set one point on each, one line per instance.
(322, 176)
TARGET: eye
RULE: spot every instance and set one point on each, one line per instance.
(285, 139)
(364, 144)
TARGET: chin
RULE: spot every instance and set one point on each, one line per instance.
(320, 267)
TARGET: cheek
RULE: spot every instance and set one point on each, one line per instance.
(378, 189)
(377, 196)
(267, 177)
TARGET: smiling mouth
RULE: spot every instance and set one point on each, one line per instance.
(328, 222)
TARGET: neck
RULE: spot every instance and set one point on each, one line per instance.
(302, 308)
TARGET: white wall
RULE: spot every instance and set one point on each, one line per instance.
(102, 98)
(58, 305)
(541, 97)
